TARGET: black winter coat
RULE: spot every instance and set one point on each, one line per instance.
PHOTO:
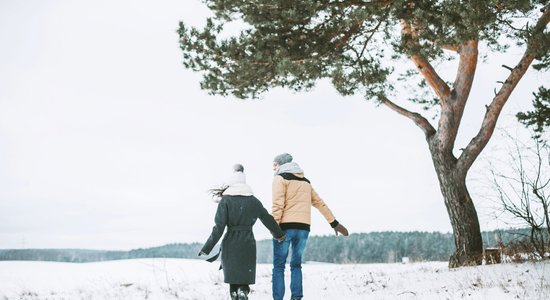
(238, 248)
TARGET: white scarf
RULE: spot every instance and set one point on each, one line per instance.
(290, 167)
(238, 189)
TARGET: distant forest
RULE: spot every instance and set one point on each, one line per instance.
(373, 247)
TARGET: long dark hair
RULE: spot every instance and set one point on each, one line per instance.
(217, 193)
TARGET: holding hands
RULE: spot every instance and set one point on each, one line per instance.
(281, 239)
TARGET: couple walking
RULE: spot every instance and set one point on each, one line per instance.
(289, 223)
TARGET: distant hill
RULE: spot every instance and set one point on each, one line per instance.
(373, 247)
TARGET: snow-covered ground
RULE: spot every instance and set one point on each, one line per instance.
(195, 279)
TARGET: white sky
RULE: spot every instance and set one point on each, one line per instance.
(107, 142)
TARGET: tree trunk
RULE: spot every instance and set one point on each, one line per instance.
(461, 209)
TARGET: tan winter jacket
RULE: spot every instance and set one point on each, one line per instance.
(293, 197)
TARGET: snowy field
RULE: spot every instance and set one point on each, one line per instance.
(196, 279)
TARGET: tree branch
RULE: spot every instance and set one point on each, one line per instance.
(372, 32)
(417, 118)
(466, 70)
(476, 145)
(452, 110)
(349, 33)
(423, 65)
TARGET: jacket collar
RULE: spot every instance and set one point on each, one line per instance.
(238, 189)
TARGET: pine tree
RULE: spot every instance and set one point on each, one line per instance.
(358, 45)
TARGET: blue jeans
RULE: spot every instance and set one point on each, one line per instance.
(295, 238)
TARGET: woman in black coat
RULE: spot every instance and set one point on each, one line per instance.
(238, 210)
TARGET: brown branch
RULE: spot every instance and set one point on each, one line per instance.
(423, 65)
(436, 83)
(452, 110)
(466, 70)
(372, 32)
(478, 143)
(417, 118)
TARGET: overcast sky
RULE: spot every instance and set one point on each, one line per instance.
(107, 142)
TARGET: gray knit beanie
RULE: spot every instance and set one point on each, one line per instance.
(282, 159)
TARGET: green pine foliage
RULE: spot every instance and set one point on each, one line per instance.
(355, 44)
(539, 118)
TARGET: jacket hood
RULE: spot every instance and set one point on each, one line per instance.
(290, 167)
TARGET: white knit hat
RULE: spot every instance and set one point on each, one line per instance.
(237, 176)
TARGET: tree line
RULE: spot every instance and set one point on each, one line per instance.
(373, 247)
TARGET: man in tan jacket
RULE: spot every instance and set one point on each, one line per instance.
(293, 197)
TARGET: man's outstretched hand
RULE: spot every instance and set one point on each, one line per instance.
(341, 229)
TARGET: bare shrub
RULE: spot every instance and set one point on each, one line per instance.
(522, 186)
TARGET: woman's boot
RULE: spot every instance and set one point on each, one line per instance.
(242, 294)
